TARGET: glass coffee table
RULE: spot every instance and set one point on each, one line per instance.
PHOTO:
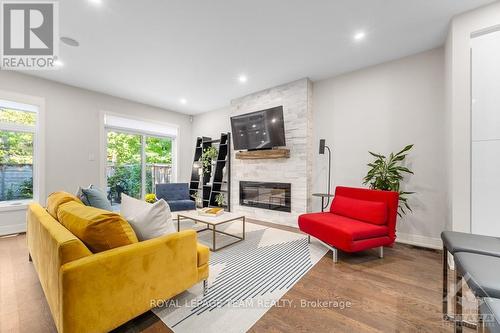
(212, 224)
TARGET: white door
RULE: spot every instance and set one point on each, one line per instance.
(485, 146)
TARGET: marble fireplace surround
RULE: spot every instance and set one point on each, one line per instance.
(295, 97)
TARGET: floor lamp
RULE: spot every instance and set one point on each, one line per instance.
(322, 147)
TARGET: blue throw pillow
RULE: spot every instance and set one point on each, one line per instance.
(80, 195)
(97, 198)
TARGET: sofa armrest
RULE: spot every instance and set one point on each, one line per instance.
(102, 291)
(203, 255)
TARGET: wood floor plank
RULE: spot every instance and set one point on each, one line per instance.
(400, 293)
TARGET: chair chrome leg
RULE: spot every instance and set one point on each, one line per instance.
(335, 255)
(458, 302)
(445, 284)
(480, 323)
(205, 287)
(381, 252)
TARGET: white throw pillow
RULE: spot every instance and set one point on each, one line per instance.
(130, 207)
(148, 220)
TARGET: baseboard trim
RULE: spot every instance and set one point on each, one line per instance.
(12, 229)
(418, 240)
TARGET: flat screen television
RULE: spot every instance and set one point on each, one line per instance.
(259, 130)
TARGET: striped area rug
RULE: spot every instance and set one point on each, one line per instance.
(246, 280)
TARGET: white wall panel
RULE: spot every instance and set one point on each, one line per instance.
(485, 166)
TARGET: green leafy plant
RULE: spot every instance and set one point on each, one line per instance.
(387, 173)
(219, 199)
(206, 158)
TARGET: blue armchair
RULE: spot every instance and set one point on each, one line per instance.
(176, 195)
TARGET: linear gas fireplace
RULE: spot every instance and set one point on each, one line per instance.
(273, 196)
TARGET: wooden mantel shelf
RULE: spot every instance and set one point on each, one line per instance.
(263, 154)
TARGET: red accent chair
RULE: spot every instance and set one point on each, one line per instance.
(358, 219)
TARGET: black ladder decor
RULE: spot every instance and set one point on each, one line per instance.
(216, 183)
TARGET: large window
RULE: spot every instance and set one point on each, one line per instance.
(136, 158)
(18, 136)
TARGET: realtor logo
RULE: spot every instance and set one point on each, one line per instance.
(30, 34)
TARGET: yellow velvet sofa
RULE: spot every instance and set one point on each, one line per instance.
(98, 292)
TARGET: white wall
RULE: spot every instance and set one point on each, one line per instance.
(485, 134)
(458, 101)
(382, 109)
(72, 133)
(210, 124)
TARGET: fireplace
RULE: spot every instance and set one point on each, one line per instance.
(273, 196)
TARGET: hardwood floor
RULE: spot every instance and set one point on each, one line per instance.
(400, 293)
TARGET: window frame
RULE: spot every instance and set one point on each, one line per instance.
(144, 134)
(36, 105)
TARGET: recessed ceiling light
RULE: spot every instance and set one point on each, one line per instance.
(95, 2)
(359, 36)
(183, 101)
(70, 41)
(242, 78)
(58, 63)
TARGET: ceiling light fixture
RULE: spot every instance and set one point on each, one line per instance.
(359, 36)
(70, 41)
(95, 2)
(183, 101)
(242, 78)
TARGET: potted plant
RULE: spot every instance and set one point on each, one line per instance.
(207, 156)
(387, 173)
(197, 199)
(219, 199)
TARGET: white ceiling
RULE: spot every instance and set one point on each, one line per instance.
(159, 51)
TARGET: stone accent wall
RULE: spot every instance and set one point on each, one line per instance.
(296, 99)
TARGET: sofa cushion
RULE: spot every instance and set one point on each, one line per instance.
(374, 212)
(155, 220)
(56, 199)
(130, 207)
(97, 198)
(338, 226)
(178, 205)
(98, 229)
(82, 196)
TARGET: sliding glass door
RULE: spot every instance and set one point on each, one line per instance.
(136, 162)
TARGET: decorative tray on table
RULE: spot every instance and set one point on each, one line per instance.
(211, 212)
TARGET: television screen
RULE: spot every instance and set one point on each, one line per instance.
(259, 130)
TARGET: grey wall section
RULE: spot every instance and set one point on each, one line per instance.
(382, 109)
(72, 131)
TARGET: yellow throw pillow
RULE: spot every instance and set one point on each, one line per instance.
(99, 229)
(56, 199)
